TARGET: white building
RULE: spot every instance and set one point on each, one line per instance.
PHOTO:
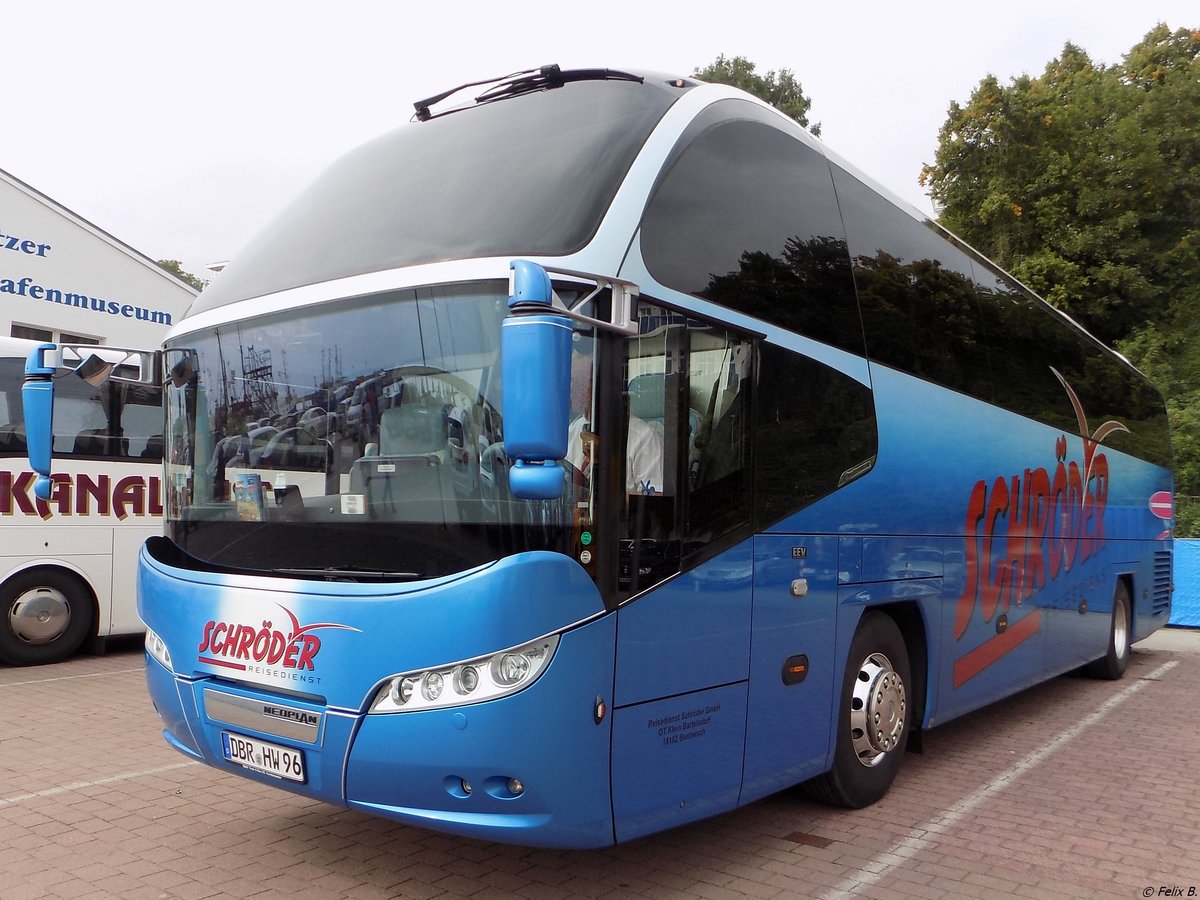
(64, 279)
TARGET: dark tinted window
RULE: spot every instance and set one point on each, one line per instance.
(746, 217)
(938, 310)
(532, 175)
(77, 339)
(815, 432)
(1029, 342)
(29, 333)
(918, 302)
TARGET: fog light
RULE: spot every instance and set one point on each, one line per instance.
(466, 787)
(516, 787)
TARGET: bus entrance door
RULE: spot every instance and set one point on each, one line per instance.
(792, 662)
(679, 722)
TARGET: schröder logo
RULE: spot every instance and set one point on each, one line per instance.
(264, 645)
(1022, 532)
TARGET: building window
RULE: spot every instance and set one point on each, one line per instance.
(32, 334)
(65, 338)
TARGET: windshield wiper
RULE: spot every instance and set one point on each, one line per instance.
(526, 82)
(353, 573)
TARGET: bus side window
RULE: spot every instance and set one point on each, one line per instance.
(153, 449)
(650, 537)
(12, 435)
(12, 440)
(720, 377)
(80, 426)
(917, 296)
(113, 421)
(98, 442)
(746, 216)
(686, 476)
(815, 432)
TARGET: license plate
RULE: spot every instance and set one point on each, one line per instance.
(261, 756)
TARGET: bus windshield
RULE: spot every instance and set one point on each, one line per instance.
(360, 439)
(530, 176)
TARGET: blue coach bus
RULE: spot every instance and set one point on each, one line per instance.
(688, 466)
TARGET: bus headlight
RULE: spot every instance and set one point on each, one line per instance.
(156, 647)
(466, 679)
(402, 690)
(470, 681)
(431, 686)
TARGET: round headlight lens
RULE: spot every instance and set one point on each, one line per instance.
(466, 679)
(402, 690)
(431, 685)
(509, 668)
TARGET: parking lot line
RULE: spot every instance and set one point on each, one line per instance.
(12, 684)
(79, 785)
(918, 837)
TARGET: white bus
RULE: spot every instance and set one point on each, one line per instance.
(68, 566)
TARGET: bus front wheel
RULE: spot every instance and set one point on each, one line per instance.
(873, 719)
(1113, 663)
(45, 616)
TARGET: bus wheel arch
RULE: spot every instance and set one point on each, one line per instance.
(1115, 661)
(908, 618)
(874, 715)
(46, 614)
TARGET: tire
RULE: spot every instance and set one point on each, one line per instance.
(45, 616)
(875, 690)
(1115, 660)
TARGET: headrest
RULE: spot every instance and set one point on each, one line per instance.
(647, 396)
(411, 429)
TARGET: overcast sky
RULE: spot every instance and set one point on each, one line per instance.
(181, 127)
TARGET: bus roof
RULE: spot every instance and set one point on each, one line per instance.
(532, 175)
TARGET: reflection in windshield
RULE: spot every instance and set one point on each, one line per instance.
(363, 436)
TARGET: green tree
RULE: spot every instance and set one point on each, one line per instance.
(780, 89)
(175, 267)
(1084, 182)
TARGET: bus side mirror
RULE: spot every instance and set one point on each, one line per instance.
(37, 398)
(535, 354)
(95, 371)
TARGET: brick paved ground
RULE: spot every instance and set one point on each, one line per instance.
(1075, 788)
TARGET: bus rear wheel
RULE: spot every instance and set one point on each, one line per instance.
(45, 616)
(1115, 660)
(873, 719)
